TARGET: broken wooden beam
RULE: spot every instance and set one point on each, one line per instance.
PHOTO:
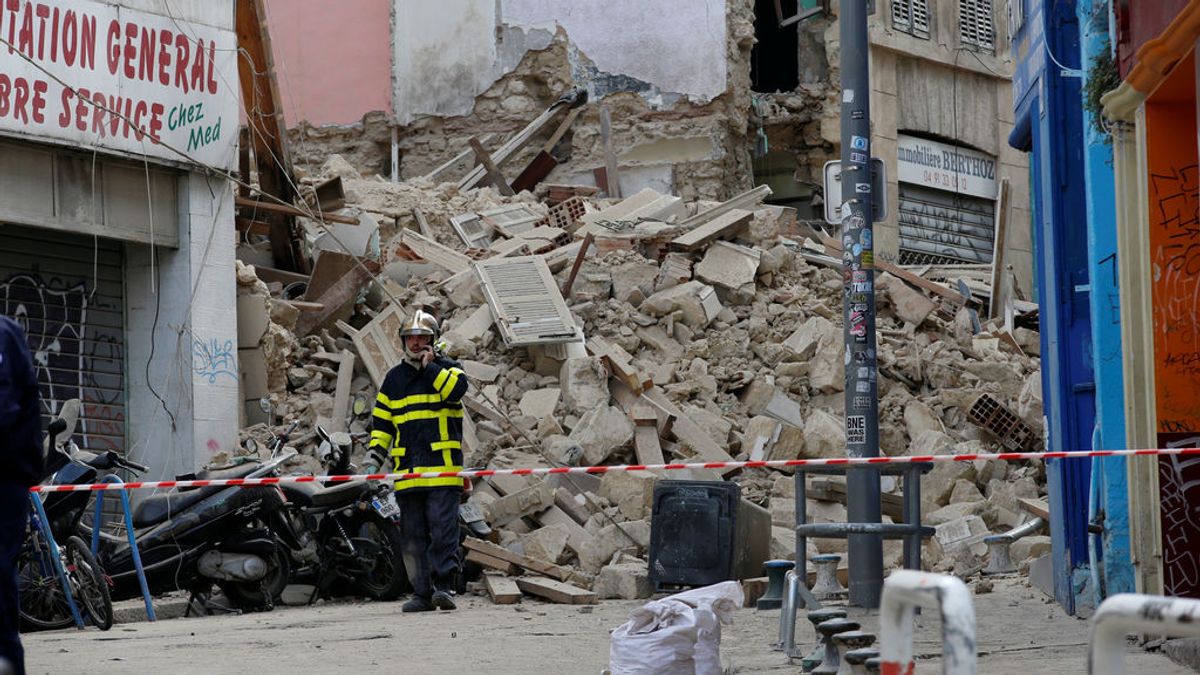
(612, 175)
(525, 562)
(489, 167)
(502, 590)
(722, 226)
(620, 362)
(555, 591)
(272, 207)
(492, 562)
(583, 249)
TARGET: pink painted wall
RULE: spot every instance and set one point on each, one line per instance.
(333, 59)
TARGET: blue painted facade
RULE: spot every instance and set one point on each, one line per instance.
(1049, 125)
(1109, 472)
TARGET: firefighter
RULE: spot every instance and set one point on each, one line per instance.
(418, 424)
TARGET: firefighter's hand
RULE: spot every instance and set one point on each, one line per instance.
(426, 356)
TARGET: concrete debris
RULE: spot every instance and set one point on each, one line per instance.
(718, 337)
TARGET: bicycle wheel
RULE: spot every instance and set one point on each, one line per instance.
(43, 604)
(88, 583)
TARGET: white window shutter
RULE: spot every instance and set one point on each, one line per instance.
(528, 306)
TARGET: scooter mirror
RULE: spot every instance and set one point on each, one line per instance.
(264, 404)
(360, 406)
(69, 414)
(251, 445)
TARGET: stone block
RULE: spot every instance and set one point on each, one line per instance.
(696, 301)
(602, 431)
(919, 418)
(584, 384)
(910, 305)
(965, 533)
(824, 435)
(631, 491)
(518, 504)
(728, 265)
(599, 550)
(1029, 547)
(627, 581)
(760, 436)
(965, 492)
(545, 543)
(540, 403)
(827, 368)
(803, 343)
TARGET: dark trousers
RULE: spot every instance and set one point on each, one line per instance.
(429, 524)
(14, 513)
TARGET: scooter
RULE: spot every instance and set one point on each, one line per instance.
(189, 539)
(348, 531)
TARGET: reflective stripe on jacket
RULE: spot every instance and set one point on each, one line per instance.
(418, 421)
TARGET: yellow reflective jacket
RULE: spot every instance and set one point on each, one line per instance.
(418, 421)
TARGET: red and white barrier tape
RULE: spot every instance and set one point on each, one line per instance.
(542, 471)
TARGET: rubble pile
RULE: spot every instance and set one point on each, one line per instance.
(702, 331)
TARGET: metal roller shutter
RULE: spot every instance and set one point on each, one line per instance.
(67, 291)
(945, 228)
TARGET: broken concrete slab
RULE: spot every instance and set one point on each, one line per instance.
(824, 435)
(697, 302)
(910, 305)
(601, 432)
(545, 543)
(627, 581)
(540, 403)
(729, 265)
(631, 491)
(518, 504)
(584, 384)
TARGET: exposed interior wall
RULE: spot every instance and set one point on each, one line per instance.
(678, 107)
(333, 60)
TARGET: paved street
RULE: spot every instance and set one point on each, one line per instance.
(1018, 633)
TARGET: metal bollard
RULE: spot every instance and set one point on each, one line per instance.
(903, 590)
(1129, 612)
(874, 664)
(848, 642)
(999, 559)
(827, 586)
(831, 663)
(818, 617)
(773, 597)
(857, 659)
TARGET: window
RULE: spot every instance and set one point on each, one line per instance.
(912, 17)
(975, 28)
(775, 58)
(1016, 19)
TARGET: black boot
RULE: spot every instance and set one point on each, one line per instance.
(419, 604)
(444, 600)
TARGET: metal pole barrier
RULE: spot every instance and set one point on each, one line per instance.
(56, 558)
(903, 591)
(1128, 613)
(137, 556)
(858, 305)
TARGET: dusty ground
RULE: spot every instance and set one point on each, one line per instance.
(1018, 633)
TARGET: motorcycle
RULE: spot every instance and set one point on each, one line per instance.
(188, 539)
(348, 531)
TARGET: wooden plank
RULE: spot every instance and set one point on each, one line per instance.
(272, 207)
(612, 175)
(544, 162)
(490, 168)
(620, 362)
(513, 145)
(333, 300)
(687, 431)
(502, 590)
(723, 225)
(422, 223)
(565, 500)
(341, 395)
(745, 200)
(501, 553)
(268, 131)
(494, 563)
(555, 591)
(647, 446)
(915, 279)
(1000, 251)
(435, 252)
(826, 490)
(483, 409)
(1037, 507)
(583, 249)
(432, 175)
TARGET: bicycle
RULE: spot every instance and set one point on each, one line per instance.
(43, 603)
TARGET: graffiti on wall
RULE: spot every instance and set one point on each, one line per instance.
(213, 360)
(74, 355)
(1179, 484)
